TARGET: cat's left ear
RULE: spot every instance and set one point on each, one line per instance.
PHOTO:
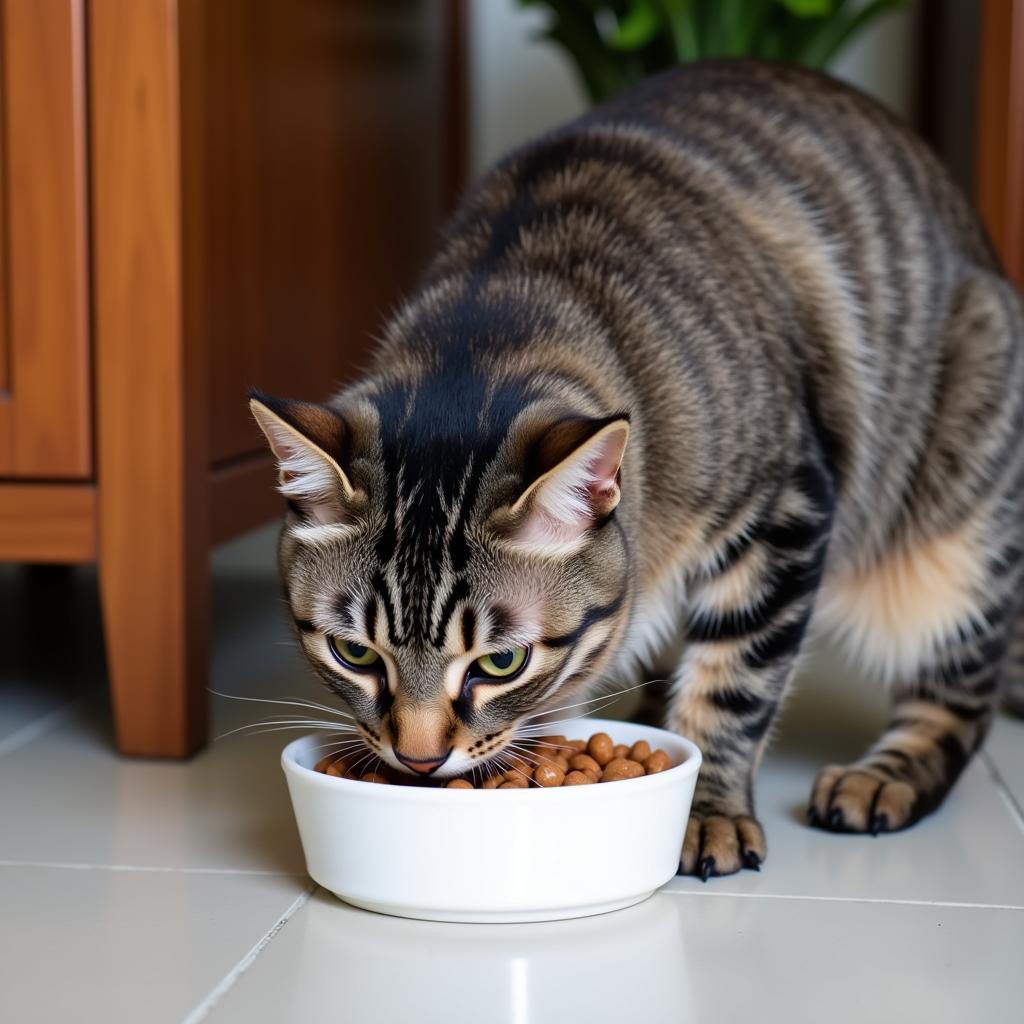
(574, 473)
(311, 443)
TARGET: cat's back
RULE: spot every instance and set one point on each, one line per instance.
(760, 128)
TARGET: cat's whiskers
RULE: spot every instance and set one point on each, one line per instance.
(302, 702)
(274, 725)
(592, 700)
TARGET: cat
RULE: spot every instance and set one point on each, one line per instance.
(728, 359)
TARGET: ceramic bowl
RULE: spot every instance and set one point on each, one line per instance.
(495, 855)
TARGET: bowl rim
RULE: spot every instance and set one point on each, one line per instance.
(689, 766)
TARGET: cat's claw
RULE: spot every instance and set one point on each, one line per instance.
(719, 844)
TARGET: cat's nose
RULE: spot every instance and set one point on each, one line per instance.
(423, 766)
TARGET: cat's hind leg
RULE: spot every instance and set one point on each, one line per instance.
(938, 612)
(937, 724)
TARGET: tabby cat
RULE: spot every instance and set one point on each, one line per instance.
(726, 360)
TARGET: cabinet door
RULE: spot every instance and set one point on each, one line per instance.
(44, 350)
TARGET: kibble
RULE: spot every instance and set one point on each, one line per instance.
(548, 775)
(621, 768)
(601, 748)
(640, 751)
(584, 763)
(657, 762)
(551, 762)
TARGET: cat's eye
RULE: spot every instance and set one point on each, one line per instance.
(355, 656)
(501, 664)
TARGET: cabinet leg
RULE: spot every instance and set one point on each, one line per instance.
(154, 595)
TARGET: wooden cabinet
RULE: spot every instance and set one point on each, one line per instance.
(198, 198)
(45, 401)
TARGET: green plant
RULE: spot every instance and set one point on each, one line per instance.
(616, 42)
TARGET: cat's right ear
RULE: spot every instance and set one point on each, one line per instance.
(311, 444)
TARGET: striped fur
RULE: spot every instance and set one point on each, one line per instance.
(777, 294)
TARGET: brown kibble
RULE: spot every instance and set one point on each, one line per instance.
(515, 762)
(519, 783)
(583, 763)
(601, 748)
(640, 751)
(659, 761)
(593, 776)
(577, 779)
(324, 763)
(560, 761)
(493, 782)
(552, 745)
(336, 768)
(460, 784)
(548, 775)
(619, 768)
(621, 750)
(382, 780)
(580, 745)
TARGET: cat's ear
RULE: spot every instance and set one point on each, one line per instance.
(573, 469)
(310, 443)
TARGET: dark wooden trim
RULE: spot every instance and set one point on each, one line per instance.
(47, 523)
(243, 496)
(999, 162)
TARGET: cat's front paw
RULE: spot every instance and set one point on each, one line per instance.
(852, 798)
(718, 844)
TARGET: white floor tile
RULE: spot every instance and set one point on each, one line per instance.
(969, 851)
(123, 946)
(1005, 751)
(671, 959)
(70, 798)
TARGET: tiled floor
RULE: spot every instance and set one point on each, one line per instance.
(139, 891)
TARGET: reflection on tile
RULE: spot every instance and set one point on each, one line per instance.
(1005, 749)
(682, 958)
(123, 946)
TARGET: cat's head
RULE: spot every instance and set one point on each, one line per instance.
(449, 584)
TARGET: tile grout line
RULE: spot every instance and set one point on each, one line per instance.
(148, 868)
(40, 726)
(951, 904)
(202, 1011)
(1016, 812)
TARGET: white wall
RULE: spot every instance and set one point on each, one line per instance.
(520, 87)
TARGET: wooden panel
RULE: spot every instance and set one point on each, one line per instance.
(999, 167)
(151, 404)
(325, 128)
(243, 496)
(47, 522)
(46, 270)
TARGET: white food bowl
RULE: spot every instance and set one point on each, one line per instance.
(496, 855)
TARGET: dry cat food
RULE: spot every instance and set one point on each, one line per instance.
(551, 761)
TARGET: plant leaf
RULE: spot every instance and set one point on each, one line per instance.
(808, 8)
(638, 27)
(679, 14)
